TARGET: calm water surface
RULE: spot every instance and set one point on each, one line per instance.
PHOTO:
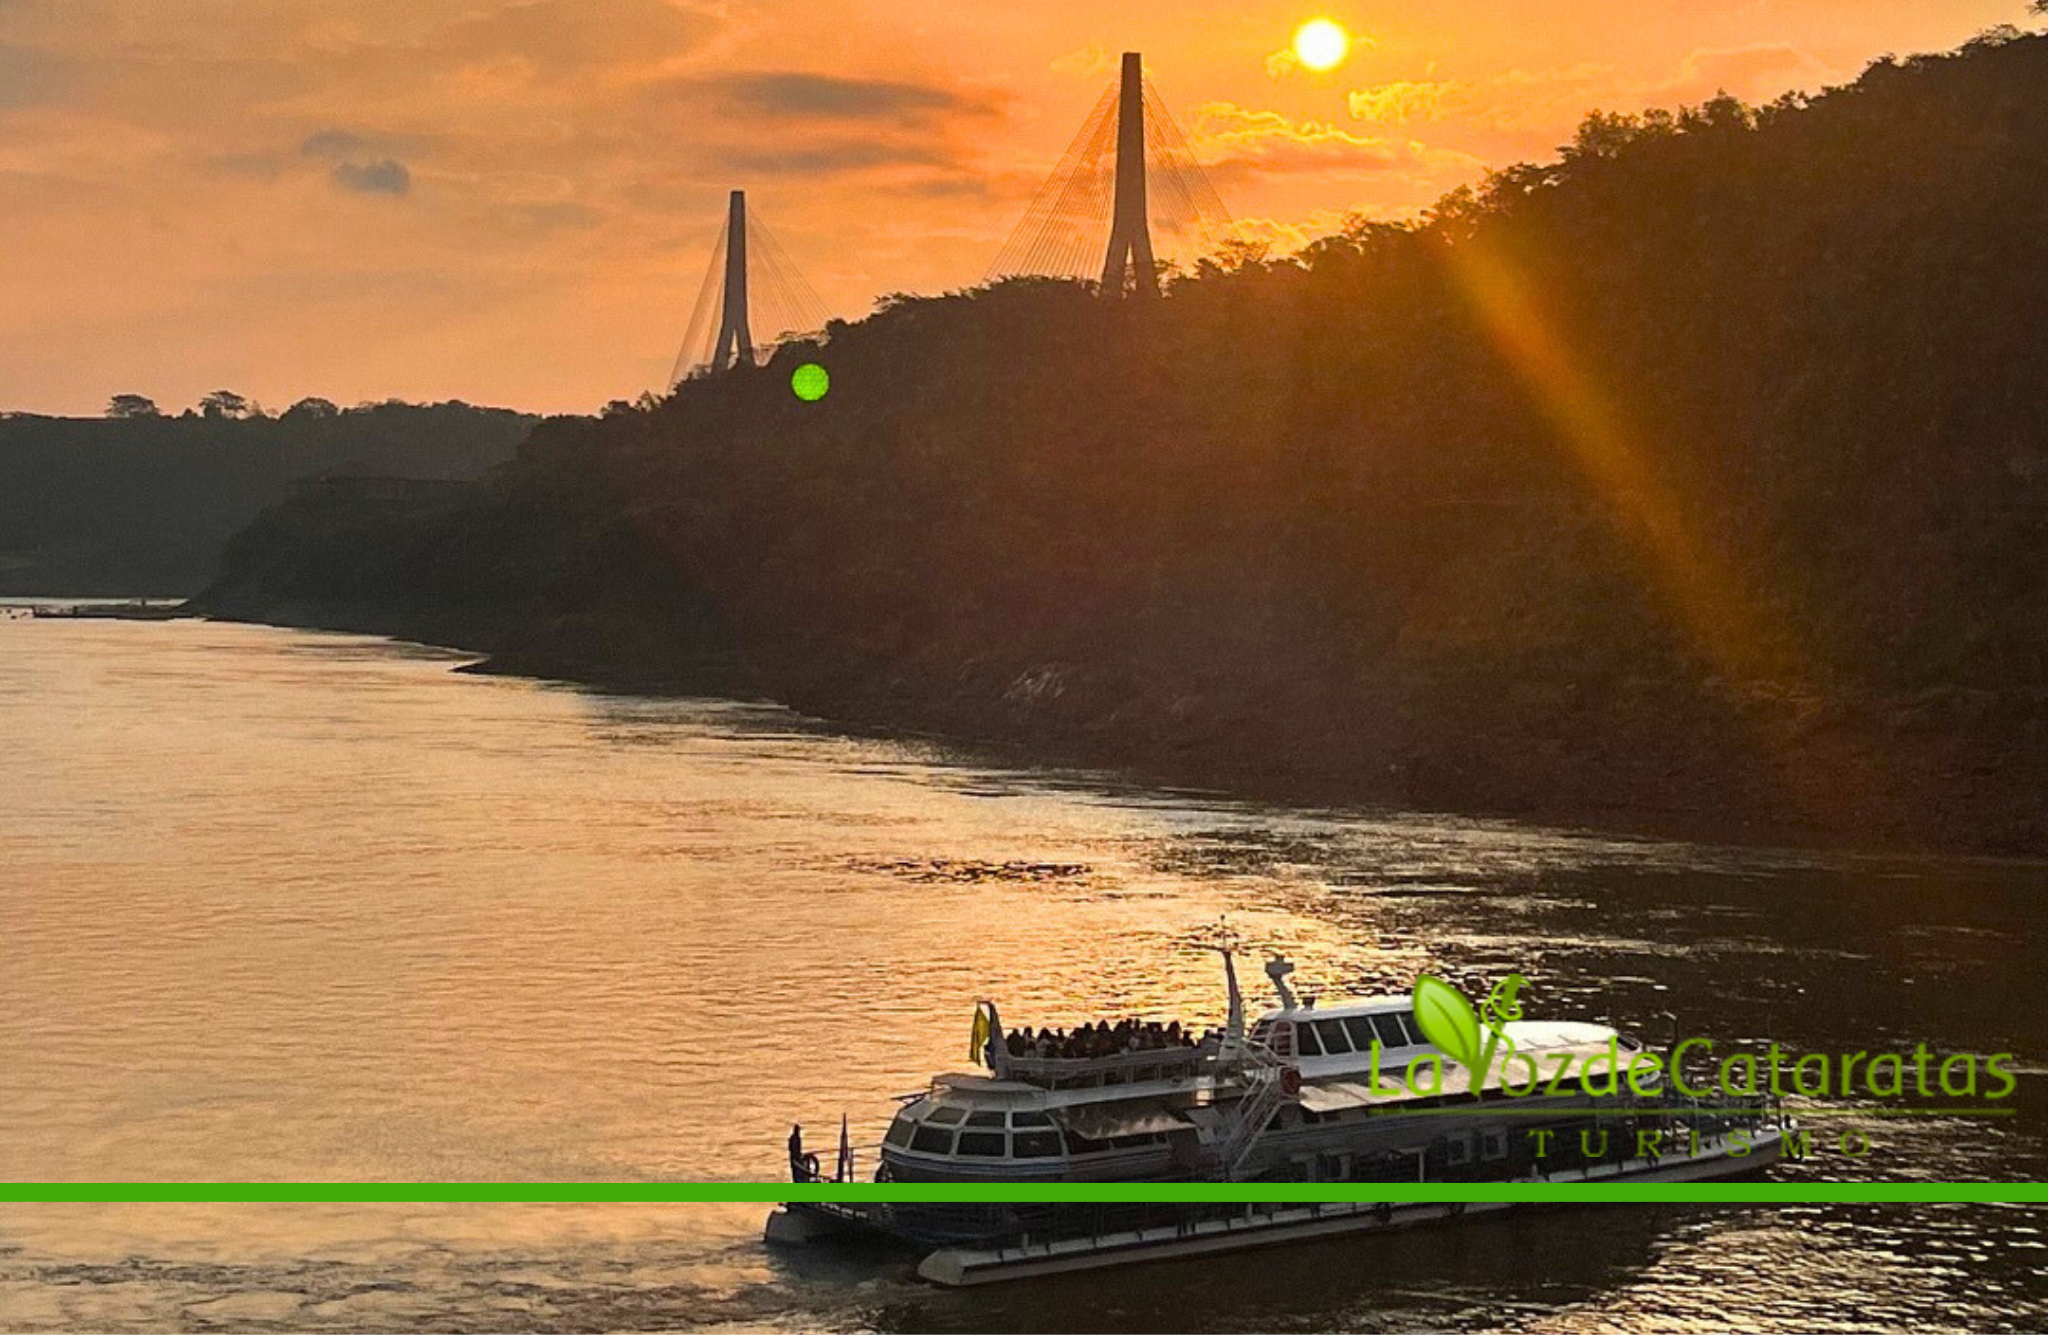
(276, 905)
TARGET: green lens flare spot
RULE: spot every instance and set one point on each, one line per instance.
(809, 382)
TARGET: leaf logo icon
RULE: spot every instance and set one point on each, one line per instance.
(1448, 1021)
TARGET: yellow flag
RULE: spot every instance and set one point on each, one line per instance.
(977, 1040)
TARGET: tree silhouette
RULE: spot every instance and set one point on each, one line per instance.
(132, 405)
(224, 403)
(1697, 468)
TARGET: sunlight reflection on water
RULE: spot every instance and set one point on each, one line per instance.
(294, 906)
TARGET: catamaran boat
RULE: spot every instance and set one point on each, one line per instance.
(1305, 1093)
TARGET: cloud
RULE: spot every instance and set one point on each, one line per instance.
(27, 77)
(385, 176)
(553, 39)
(1280, 237)
(792, 95)
(827, 159)
(560, 216)
(332, 144)
(1093, 60)
(1402, 101)
(1750, 72)
(1237, 139)
(1282, 62)
(357, 165)
(1296, 167)
(1539, 102)
(895, 135)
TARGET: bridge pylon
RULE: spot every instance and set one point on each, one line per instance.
(1128, 160)
(735, 338)
(750, 284)
(1129, 264)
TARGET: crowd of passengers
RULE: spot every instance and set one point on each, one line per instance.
(1104, 1039)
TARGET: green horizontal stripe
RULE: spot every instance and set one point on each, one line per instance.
(1795, 1110)
(1726, 1193)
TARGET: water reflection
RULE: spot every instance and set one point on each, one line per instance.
(314, 907)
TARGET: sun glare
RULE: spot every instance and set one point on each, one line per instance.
(1321, 44)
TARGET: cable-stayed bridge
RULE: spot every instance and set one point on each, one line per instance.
(752, 299)
(1125, 199)
(1127, 195)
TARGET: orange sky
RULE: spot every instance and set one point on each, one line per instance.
(512, 201)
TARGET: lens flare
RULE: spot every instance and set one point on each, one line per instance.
(1321, 44)
(809, 382)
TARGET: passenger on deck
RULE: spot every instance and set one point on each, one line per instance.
(1099, 1039)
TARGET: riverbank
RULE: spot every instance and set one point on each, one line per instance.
(1754, 550)
(1610, 779)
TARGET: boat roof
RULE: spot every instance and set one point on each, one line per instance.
(1312, 1010)
(1337, 1095)
(987, 1091)
(1323, 1088)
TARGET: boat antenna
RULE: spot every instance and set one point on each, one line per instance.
(1234, 1026)
(1277, 969)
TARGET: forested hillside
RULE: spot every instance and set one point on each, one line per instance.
(141, 503)
(1697, 478)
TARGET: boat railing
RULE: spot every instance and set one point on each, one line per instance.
(1264, 1090)
(845, 1167)
(1137, 1066)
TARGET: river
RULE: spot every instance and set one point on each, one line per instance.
(293, 906)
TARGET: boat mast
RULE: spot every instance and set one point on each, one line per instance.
(1234, 1027)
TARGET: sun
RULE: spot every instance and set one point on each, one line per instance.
(1321, 44)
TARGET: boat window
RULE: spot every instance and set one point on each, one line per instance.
(1031, 1119)
(1388, 1027)
(1132, 1142)
(1262, 1032)
(1331, 1033)
(1361, 1031)
(994, 1119)
(1408, 1026)
(1037, 1144)
(899, 1131)
(1495, 1145)
(982, 1144)
(1305, 1041)
(947, 1116)
(1080, 1144)
(932, 1140)
(1460, 1150)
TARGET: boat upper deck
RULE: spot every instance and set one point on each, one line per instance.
(1364, 1045)
(1104, 1055)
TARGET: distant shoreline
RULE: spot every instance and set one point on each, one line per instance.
(1228, 771)
(1691, 483)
